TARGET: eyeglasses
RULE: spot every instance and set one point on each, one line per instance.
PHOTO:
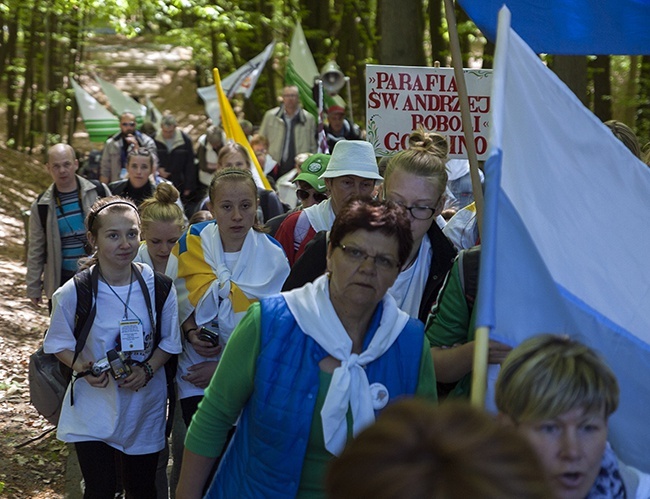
(357, 255)
(304, 194)
(418, 212)
(128, 123)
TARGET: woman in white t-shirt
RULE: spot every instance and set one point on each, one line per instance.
(115, 420)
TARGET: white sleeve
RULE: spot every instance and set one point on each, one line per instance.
(60, 335)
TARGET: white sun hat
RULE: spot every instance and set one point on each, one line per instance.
(352, 157)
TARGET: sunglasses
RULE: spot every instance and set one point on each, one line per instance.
(303, 194)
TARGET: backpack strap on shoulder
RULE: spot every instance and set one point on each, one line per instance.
(86, 283)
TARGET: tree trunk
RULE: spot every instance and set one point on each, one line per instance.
(488, 55)
(317, 26)
(13, 27)
(439, 46)
(602, 87)
(401, 30)
(643, 98)
(572, 70)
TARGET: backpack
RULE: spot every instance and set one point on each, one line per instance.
(49, 378)
(468, 270)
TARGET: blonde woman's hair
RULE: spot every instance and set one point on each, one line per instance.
(425, 157)
(162, 207)
(418, 451)
(548, 375)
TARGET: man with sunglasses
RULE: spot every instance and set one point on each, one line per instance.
(117, 147)
(310, 190)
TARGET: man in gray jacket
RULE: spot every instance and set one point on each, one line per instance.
(290, 130)
(57, 235)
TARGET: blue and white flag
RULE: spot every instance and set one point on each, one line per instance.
(566, 232)
(570, 27)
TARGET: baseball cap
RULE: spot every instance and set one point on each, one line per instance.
(336, 109)
(353, 157)
(311, 170)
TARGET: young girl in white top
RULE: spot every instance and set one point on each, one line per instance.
(115, 420)
(223, 265)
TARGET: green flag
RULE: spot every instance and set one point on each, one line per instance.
(302, 72)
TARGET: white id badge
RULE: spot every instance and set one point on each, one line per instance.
(131, 336)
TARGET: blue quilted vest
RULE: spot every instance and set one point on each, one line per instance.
(265, 457)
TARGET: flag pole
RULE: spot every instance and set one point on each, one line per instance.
(482, 336)
(463, 99)
(479, 366)
(234, 130)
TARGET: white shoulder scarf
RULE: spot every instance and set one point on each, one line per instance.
(408, 288)
(321, 215)
(315, 314)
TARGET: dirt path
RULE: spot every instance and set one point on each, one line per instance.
(36, 469)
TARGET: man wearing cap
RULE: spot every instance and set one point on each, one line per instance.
(310, 191)
(351, 171)
(290, 130)
(338, 128)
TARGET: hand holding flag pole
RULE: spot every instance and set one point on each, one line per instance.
(479, 370)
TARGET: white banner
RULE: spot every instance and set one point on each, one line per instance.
(399, 99)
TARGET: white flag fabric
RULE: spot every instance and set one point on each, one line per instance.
(99, 121)
(566, 231)
(121, 102)
(242, 81)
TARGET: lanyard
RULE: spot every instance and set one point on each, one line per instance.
(128, 297)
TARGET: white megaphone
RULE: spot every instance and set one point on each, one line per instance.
(332, 77)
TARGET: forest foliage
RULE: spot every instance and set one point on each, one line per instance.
(44, 43)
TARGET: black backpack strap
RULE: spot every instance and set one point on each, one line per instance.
(147, 298)
(468, 268)
(162, 288)
(85, 283)
(42, 211)
(99, 187)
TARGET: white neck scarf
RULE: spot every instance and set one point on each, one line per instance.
(259, 271)
(321, 215)
(410, 283)
(313, 310)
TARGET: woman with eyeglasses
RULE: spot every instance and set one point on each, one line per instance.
(414, 179)
(306, 370)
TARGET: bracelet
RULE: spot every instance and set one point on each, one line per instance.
(187, 332)
(148, 372)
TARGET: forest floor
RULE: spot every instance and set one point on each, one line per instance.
(36, 469)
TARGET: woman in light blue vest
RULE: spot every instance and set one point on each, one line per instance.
(310, 368)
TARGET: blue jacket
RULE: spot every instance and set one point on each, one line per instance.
(266, 455)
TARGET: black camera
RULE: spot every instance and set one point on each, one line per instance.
(115, 362)
(211, 337)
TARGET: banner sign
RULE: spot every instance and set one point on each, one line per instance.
(399, 99)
